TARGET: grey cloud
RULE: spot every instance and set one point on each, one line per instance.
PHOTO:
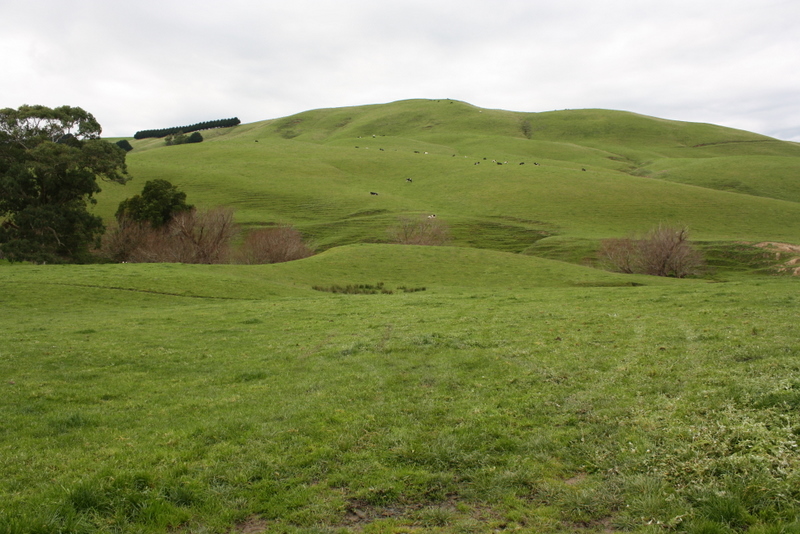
(149, 64)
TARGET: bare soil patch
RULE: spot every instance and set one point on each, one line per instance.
(787, 254)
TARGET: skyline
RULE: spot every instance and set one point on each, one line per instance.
(160, 64)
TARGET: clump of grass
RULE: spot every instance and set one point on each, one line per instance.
(405, 289)
(356, 289)
(366, 289)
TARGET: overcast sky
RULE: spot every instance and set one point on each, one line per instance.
(142, 64)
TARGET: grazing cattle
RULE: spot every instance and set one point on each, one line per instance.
(477, 163)
(499, 163)
(522, 163)
(583, 169)
(432, 216)
(380, 149)
(409, 180)
(373, 193)
(256, 140)
(535, 163)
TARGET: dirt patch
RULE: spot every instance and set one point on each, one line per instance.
(786, 253)
(782, 247)
(253, 525)
(577, 479)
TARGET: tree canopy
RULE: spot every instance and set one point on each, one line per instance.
(162, 132)
(157, 204)
(50, 160)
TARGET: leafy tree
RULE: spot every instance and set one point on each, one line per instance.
(178, 138)
(156, 205)
(125, 145)
(196, 137)
(50, 160)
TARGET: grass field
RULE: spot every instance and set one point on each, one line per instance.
(517, 388)
(212, 398)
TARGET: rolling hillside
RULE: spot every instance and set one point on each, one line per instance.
(500, 179)
(496, 385)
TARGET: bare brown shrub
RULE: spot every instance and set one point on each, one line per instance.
(272, 245)
(190, 237)
(666, 251)
(663, 251)
(123, 242)
(202, 237)
(619, 254)
(420, 231)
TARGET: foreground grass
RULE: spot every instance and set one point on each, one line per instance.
(172, 403)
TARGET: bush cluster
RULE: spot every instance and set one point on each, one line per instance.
(188, 237)
(208, 125)
(272, 245)
(181, 138)
(663, 251)
(201, 237)
(158, 226)
(420, 231)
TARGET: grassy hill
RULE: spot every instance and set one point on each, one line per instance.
(599, 174)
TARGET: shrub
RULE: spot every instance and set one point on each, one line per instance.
(526, 128)
(663, 251)
(190, 237)
(620, 254)
(195, 138)
(177, 138)
(125, 145)
(420, 231)
(273, 245)
(202, 237)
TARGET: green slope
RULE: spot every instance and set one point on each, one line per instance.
(600, 173)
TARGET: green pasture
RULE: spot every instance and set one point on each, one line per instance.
(513, 393)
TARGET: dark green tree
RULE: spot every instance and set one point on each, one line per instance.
(125, 145)
(196, 137)
(178, 138)
(50, 160)
(156, 205)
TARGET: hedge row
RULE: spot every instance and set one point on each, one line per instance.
(163, 132)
